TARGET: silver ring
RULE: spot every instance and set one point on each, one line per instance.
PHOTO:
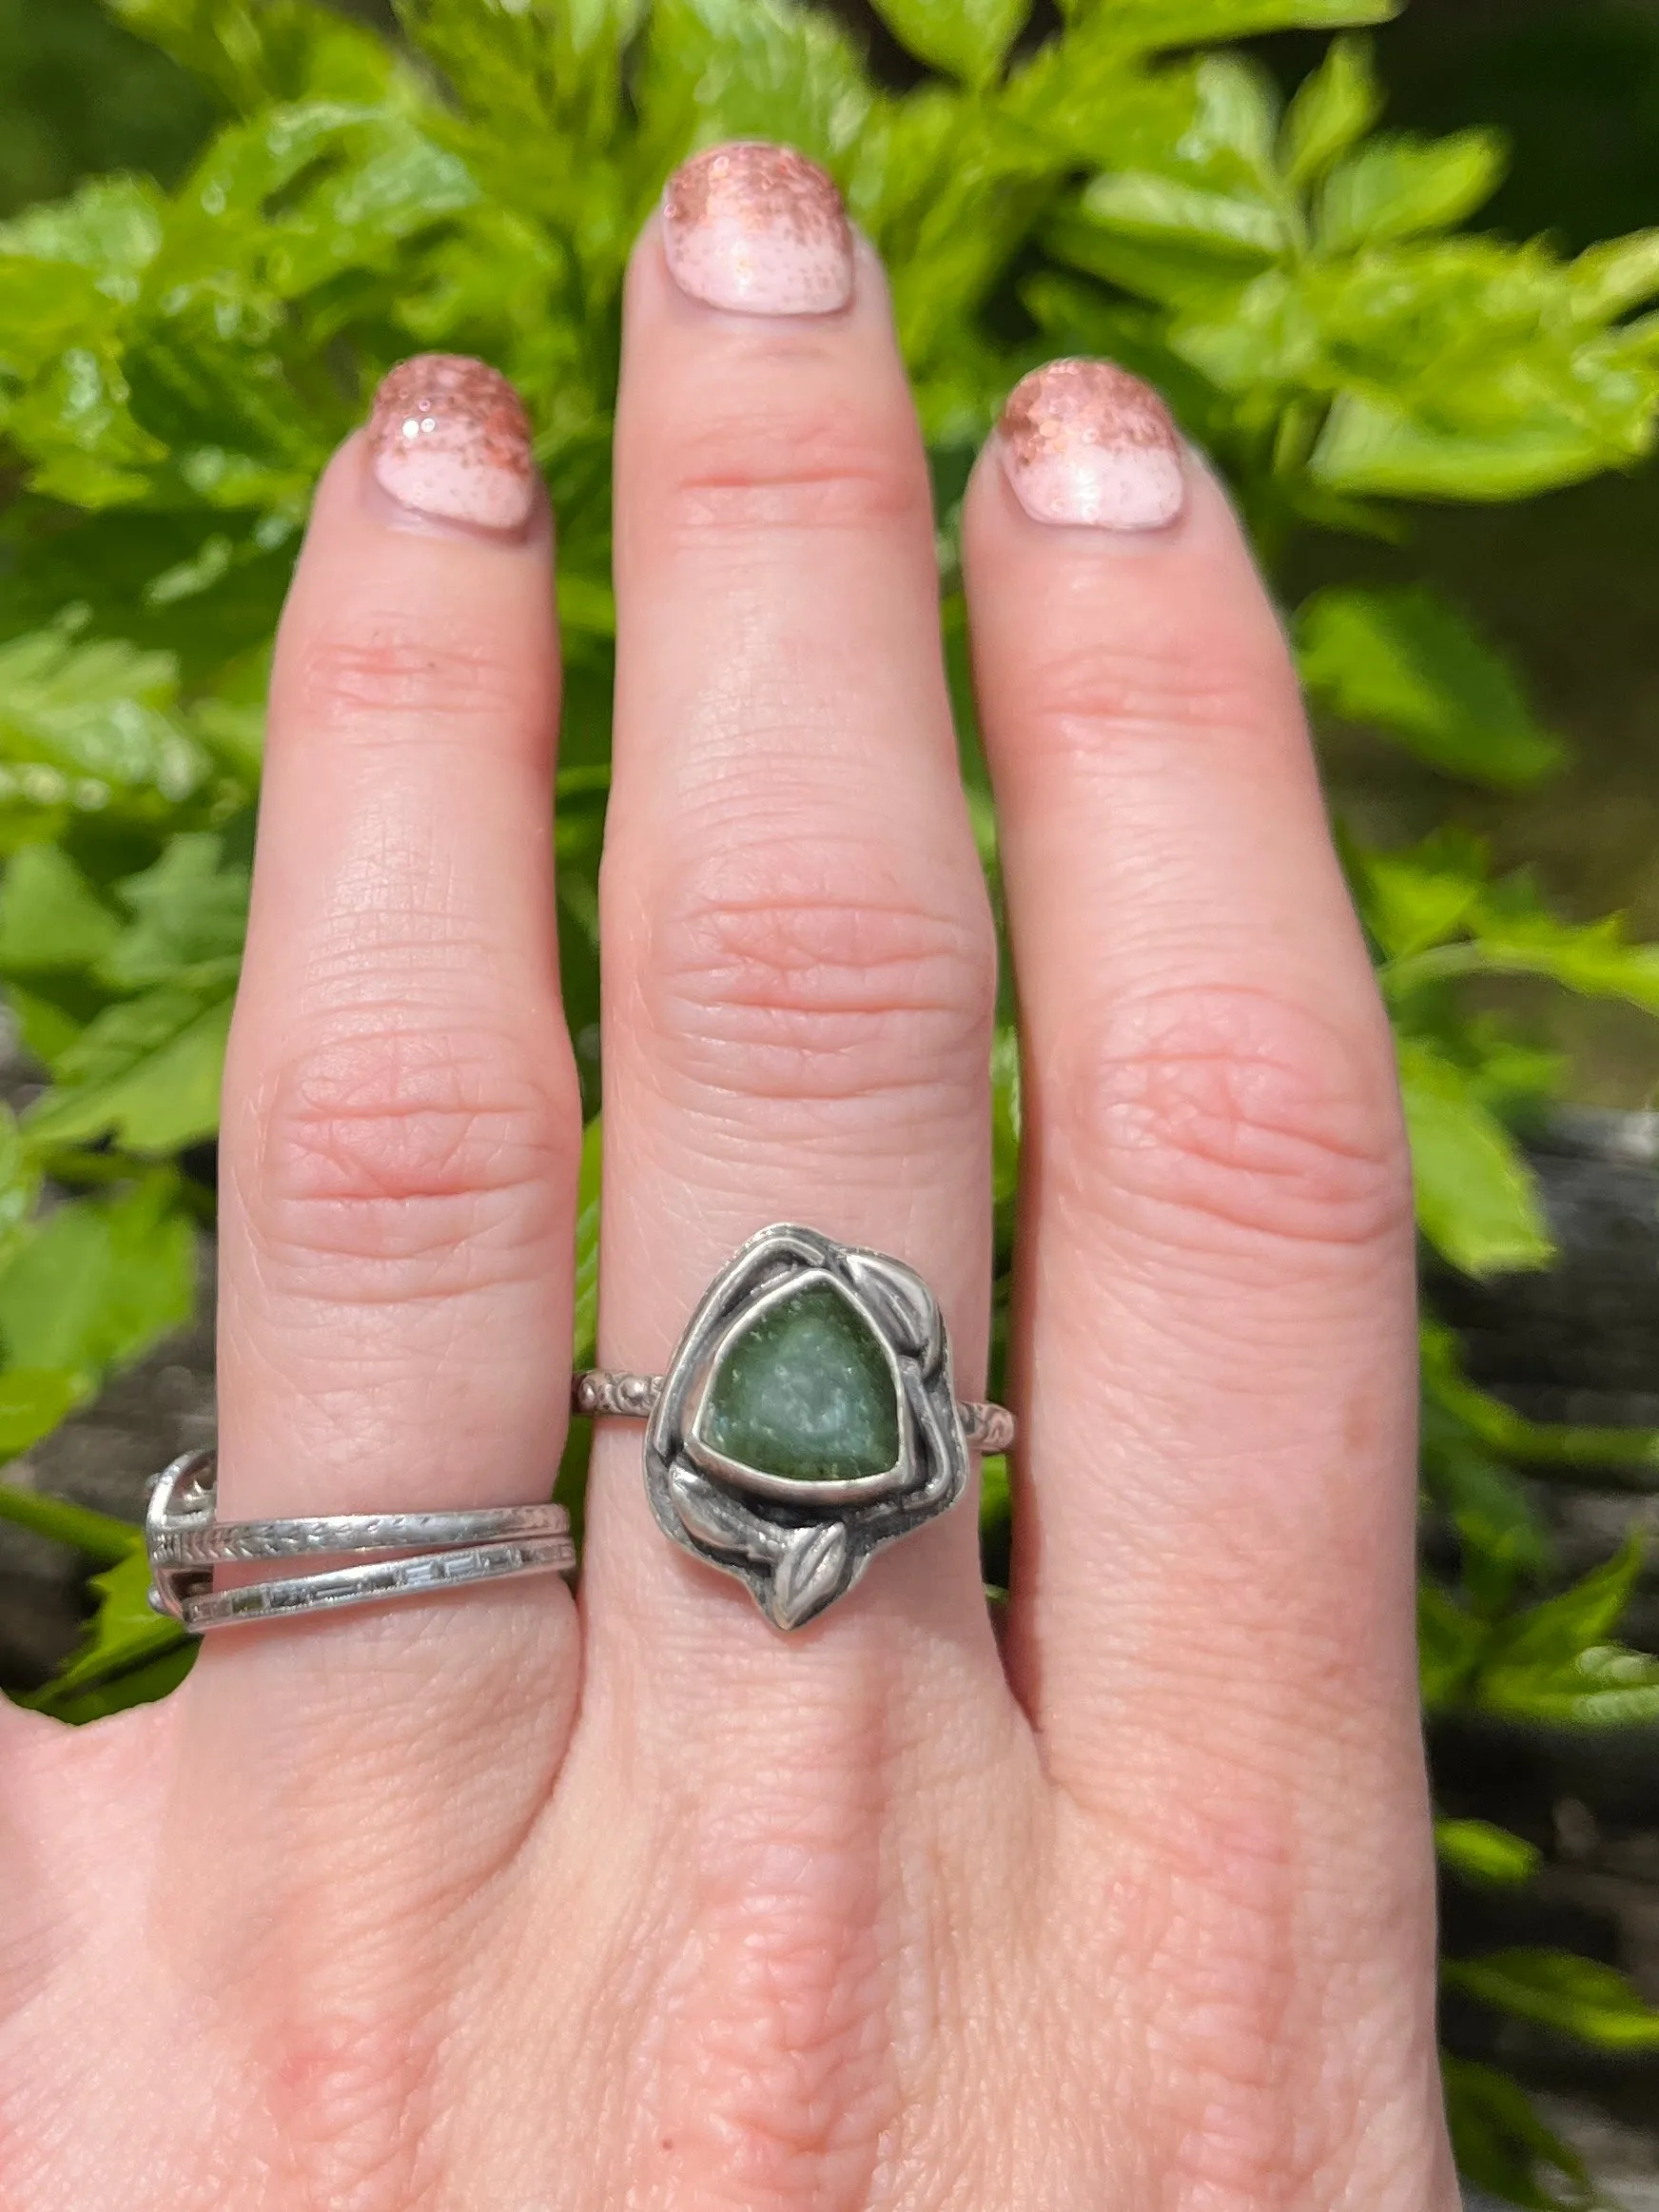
(808, 1420)
(431, 1551)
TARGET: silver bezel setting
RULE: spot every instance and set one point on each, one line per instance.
(800, 1545)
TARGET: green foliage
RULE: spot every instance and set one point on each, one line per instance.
(145, 114)
(1477, 1203)
(1483, 1853)
(1575, 1996)
(970, 41)
(1503, 2145)
(1436, 916)
(128, 1654)
(177, 360)
(1555, 1663)
(1409, 665)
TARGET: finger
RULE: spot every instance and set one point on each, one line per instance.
(1215, 1335)
(797, 987)
(1213, 1552)
(401, 1127)
(798, 958)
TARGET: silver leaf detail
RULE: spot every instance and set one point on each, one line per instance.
(809, 1573)
(898, 1294)
(709, 1518)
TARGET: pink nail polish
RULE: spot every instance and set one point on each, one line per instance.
(760, 228)
(1085, 442)
(449, 438)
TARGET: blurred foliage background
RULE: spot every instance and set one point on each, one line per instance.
(172, 369)
(1573, 579)
(1570, 581)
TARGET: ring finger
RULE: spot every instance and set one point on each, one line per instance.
(799, 973)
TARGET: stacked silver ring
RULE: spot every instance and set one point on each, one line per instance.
(398, 1554)
(793, 1509)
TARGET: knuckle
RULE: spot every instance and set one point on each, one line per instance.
(1268, 2095)
(779, 2086)
(387, 668)
(766, 980)
(825, 465)
(347, 2086)
(1196, 687)
(417, 1161)
(1217, 1113)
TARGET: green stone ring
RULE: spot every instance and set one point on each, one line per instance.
(808, 1420)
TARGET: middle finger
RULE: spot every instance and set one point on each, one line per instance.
(799, 963)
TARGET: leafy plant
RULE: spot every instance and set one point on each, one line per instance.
(175, 365)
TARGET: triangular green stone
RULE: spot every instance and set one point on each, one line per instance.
(805, 1392)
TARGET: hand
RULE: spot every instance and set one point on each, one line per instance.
(489, 1904)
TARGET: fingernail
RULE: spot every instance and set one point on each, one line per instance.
(760, 228)
(449, 438)
(1085, 442)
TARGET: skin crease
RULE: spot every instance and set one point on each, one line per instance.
(495, 1904)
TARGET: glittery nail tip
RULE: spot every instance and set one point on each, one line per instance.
(1084, 442)
(449, 438)
(759, 228)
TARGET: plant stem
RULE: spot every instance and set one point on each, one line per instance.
(99, 1535)
(1444, 961)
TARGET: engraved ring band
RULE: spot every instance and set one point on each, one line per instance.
(807, 1420)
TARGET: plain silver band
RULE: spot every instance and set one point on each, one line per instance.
(444, 1551)
(597, 1392)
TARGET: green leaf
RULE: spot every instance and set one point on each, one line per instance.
(98, 1281)
(1578, 1997)
(1501, 2144)
(1413, 901)
(190, 909)
(46, 1029)
(1503, 1537)
(1264, 338)
(1400, 187)
(83, 722)
(1333, 109)
(1484, 1853)
(72, 267)
(1450, 1645)
(19, 1183)
(110, 225)
(103, 1539)
(1556, 1663)
(146, 1072)
(1608, 1685)
(1154, 26)
(587, 1269)
(1234, 135)
(969, 39)
(1158, 207)
(256, 51)
(1007, 1117)
(1083, 103)
(123, 1640)
(1405, 662)
(146, 1684)
(1475, 1414)
(1477, 1199)
(33, 1402)
(1436, 916)
(755, 68)
(1377, 443)
(52, 919)
(1608, 280)
(1515, 936)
